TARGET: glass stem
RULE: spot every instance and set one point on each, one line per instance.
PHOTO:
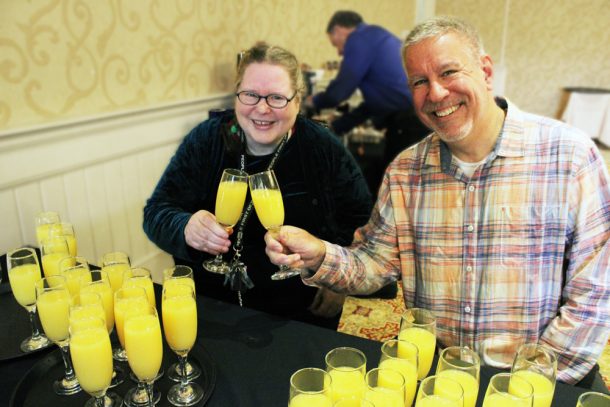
(100, 401)
(33, 324)
(65, 354)
(183, 373)
(149, 393)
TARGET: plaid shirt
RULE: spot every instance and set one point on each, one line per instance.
(518, 253)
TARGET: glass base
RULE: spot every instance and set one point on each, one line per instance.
(193, 371)
(110, 400)
(118, 376)
(285, 272)
(188, 395)
(216, 266)
(137, 397)
(119, 354)
(31, 344)
(65, 387)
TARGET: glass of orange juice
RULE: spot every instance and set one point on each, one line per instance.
(53, 301)
(347, 367)
(230, 200)
(126, 300)
(402, 357)
(508, 390)
(92, 358)
(66, 230)
(538, 365)
(439, 391)
(144, 347)
(75, 270)
(462, 365)
(179, 310)
(115, 264)
(53, 250)
(181, 274)
(593, 399)
(269, 206)
(140, 277)
(310, 387)
(385, 387)
(23, 272)
(44, 220)
(418, 326)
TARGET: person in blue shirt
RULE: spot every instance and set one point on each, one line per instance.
(371, 63)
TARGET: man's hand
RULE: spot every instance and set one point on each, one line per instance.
(327, 303)
(295, 247)
(203, 233)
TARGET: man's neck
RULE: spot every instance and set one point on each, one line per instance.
(476, 146)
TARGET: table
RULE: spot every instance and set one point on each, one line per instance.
(589, 110)
(256, 353)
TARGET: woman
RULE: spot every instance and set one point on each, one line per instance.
(322, 187)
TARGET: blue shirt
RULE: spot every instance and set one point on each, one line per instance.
(371, 62)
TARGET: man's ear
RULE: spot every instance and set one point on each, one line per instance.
(487, 67)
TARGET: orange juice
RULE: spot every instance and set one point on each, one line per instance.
(504, 400)
(23, 279)
(425, 342)
(269, 207)
(115, 274)
(230, 202)
(346, 382)
(437, 401)
(104, 290)
(310, 400)
(409, 373)
(53, 309)
(172, 282)
(145, 283)
(125, 307)
(384, 397)
(143, 345)
(75, 277)
(180, 322)
(50, 263)
(469, 384)
(92, 359)
(543, 387)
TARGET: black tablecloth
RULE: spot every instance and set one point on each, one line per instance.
(255, 354)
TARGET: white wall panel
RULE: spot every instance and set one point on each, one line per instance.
(97, 173)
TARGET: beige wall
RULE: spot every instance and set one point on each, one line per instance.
(550, 44)
(62, 59)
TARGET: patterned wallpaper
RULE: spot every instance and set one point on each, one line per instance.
(62, 59)
(551, 44)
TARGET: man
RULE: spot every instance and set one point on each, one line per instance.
(371, 63)
(498, 222)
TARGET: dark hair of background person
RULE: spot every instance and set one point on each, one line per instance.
(344, 18)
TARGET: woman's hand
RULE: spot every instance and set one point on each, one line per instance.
(203, 233)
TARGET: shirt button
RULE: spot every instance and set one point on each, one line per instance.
(467, 309)
(470, 228)
(471, 188)
(468, 268)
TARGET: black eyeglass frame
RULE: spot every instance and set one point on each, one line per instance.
(288, 100)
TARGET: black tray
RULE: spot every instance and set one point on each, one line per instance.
(14, 325)
(35, 388)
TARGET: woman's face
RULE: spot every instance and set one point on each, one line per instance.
(265, 126)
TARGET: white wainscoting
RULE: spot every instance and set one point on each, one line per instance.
(97, 173)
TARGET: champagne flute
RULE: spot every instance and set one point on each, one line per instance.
(346, 367)
(508, 390)
(127, 299)
(462, 365)
(401, 356)
(439, 391)
(179, 310)
(385, 387)
(269, 206)
(144, 348)
(538, 365)
(75, 270)
(92, 357)
(181, 274)
(53, 250)
(87, 305)
(44, 220)
(310, 387)
(140, 277)
(53, 302)
(593, 399)
(230, 200)
(100, 284)
(115, 264)
(418, 326)
(23, 272)
(67, 231)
